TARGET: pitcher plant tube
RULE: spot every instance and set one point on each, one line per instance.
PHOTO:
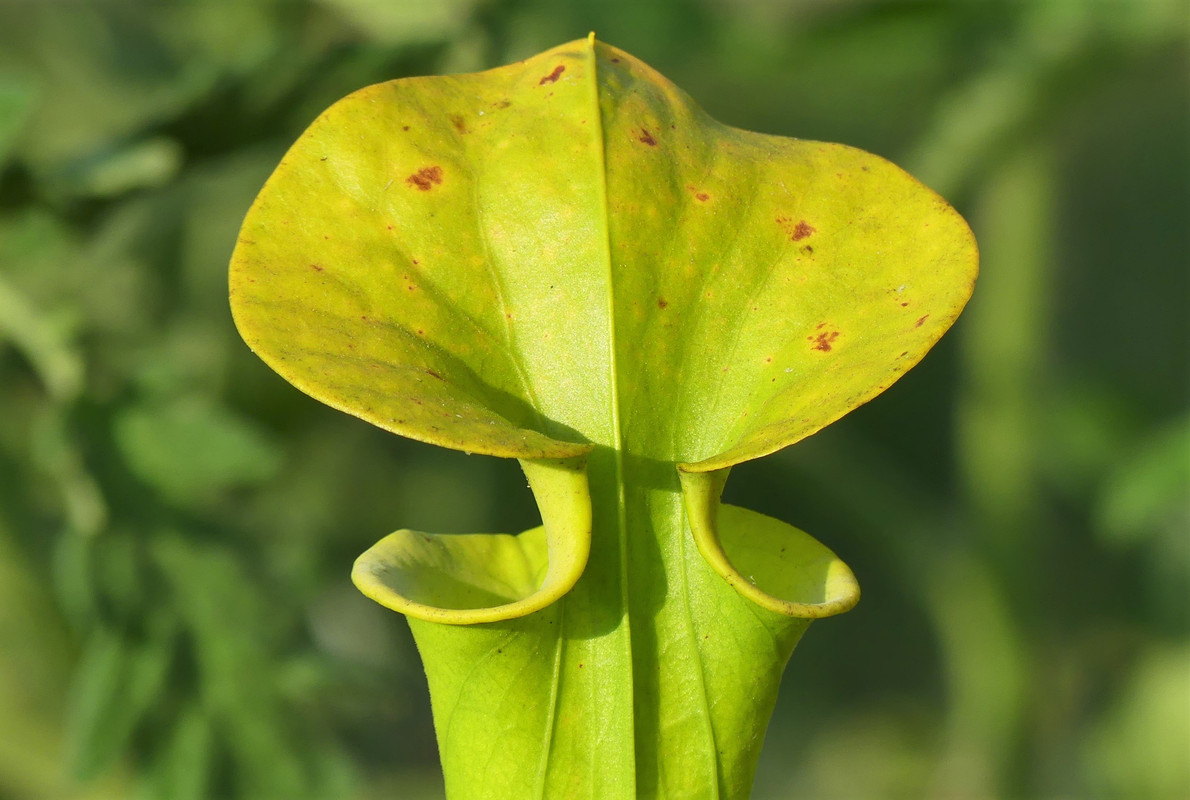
(567, 262)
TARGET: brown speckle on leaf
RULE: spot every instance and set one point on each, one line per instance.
(323, 158)
(502, 104)
(647, 137)
(434, 374)
(921, 321)
(797, 230)
(662, 302)
(824, 340)
(820, 326)
(404, 127)
(425, 178)
(553, 76)
(807, 249)
(459, 123)
(904, 304)
(316, 267)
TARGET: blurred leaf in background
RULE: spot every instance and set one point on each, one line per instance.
(177, 525)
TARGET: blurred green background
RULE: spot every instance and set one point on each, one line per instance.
(177, 524)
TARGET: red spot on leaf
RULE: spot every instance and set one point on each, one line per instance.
(425, 178)
(647, 137)
(824, 340)
(553, 76)
(921, 321)
(797, 230)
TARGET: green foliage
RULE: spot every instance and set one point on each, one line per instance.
(566, 261)
(1057, 128)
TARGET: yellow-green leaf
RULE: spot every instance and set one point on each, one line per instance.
(566, 259)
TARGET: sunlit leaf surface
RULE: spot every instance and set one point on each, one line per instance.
(566, 259)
